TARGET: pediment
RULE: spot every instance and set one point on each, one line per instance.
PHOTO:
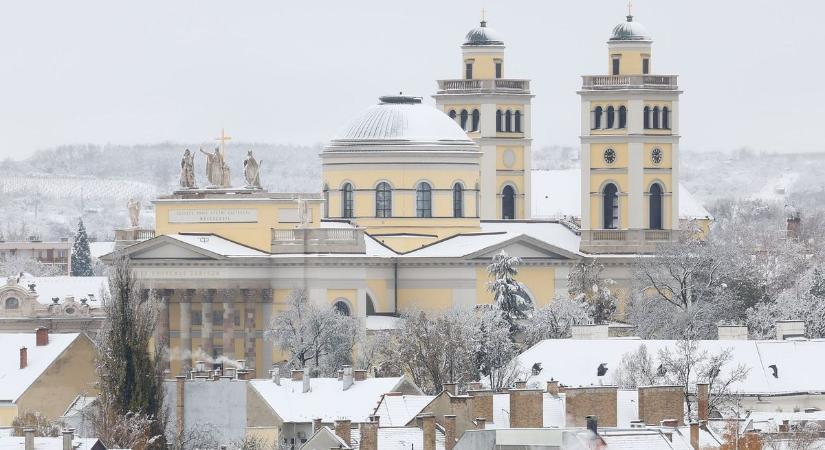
(165, 247)
(526, 247)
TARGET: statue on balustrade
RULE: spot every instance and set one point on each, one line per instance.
(252, 171)
(187, 170)
(217, 171)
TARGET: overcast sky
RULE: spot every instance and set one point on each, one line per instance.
(296, 71)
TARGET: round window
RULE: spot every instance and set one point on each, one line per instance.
(656, 156)
(610, 156)
(69, 310)
(509, 158)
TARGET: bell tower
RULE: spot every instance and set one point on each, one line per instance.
(495, 112)
(629, 149)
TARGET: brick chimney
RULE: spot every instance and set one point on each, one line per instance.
(343, 428)
(481, 403)
(449, 431)
(522, 384)
(702, 400)
(474, 386)
(346, 378)
(658, 403)
(41, 336)
(481, 422)
(297, 374)
(428, 428)
(553, 388)
(369, 435)
(694, 435)
(449, 387)
(180, 386)
(526, 408)
(590, 401)
(68, 437)
(359, 374)
(29, 439)
(316, 425)
(24, 357)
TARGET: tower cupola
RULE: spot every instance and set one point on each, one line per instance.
(483, 35)
(630, 31)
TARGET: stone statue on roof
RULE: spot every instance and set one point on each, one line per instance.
(187, 170)
(252, 171)
(217, 172)
(134, 212)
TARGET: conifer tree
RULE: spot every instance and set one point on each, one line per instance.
(81, 255)
(509, 295)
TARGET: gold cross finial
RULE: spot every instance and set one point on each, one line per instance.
(629, 7)
(223, 138)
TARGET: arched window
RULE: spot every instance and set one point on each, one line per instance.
(423, 200)
(326, 200)
(647, 117)
(498, 120)
(610, 211)
(476, 117)
(12, 303)
(342, 307)
(666, 118)
(346, 201)
(518, 121)
(508, 203)
(611, 120)
(452, 114)
(383, 200)
(463, 119)
(508, 120)
(597, 118)
(370, 306)
(458, 200)
(656, 207)
(622, 117)
(655, 117)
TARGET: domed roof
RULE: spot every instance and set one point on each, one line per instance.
(630, 31)
(403, 119)
(482, 35)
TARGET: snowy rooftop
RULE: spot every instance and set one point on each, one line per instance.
(14, 381)
(45, 443)
(217, 244)
(557, 193)
(574, 362)
(399, 410)
(65, 286)
(326, 399)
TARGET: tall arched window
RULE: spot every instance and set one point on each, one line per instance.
(476, 118)
(508, 203)
(622, 117)
(655, 117)
(463, 119)
(423, 200)
(341, 307)
(458, 200)
(518, 121)
(326, 200)
(498, 120)
(610, 210)
(656, 207)
(12, 303)
(508, 120)
(611, 119)
(452, 114)
(383, 200)
(647, 117)
(370, 306)
(666, 118)
(597, 118)
(346, 201)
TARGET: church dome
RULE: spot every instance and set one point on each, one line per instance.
(401, 119)
(483, 35)
(630, 31)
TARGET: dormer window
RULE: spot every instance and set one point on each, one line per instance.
(614, 70)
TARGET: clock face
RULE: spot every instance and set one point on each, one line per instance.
(610, 156)
(656, 155)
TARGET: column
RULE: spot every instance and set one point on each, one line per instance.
(185, 349)
(162, 331)
(206, 323)
(249, 327)
(228, 324)
(268, 344)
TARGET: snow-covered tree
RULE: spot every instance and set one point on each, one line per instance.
(636, 369)
(803, 301)
(316, 337)
(495, 351)
(508, 294)
(18, 263)
(585, 283)
(554, 321)
(81, 255)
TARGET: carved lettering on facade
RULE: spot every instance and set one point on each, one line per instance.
(214, 215)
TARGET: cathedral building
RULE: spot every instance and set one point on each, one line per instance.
(416, 201)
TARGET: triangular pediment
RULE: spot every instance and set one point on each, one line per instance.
(165, 247)
(526, 247)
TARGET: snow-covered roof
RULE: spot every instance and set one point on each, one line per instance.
(65, 286)
(326, 399)
(14, 381)
(79, 404)
(98, 249)
(217, 244)
(380, 323)
(399, 410)
(574, 362)
(46, 443)
(557, 194)
(642, 439)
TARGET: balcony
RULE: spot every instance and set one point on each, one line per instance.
(128, 236)
(496, 86)
(624, 241)
(318, 240)
(610, 82)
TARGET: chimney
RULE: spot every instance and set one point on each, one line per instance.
(522, 384)
(369, 436)
(428, 427)
(481, 403)
(526, 408)
(702, 400)
(347, 381)
(41, 336)
(359, 374)
(276, 375)
(670, 423)
(592, 424)
(732, 332)
(244, 374)
(474, 386)
(68, 436)
(376, 419)
(449, 387)
(694, 435)
(180, 384)
(316, 425)
(784, 427)
(343, 428)
(480, 423)
(29, 440)
(297, 374)
(449, 431)
(590, 331)
(553, 388)
(24, 357)
(786, 329)
(590, 401)
(794, 226)
(658, 403)
(305, 379)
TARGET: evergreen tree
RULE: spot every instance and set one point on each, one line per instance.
(508, 293)
(81, 255)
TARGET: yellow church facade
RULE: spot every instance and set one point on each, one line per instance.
(416, 201)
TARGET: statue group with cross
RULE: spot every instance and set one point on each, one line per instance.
(217, 170)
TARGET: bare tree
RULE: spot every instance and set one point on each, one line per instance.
(554, 320)
(636, 369)
(585, 283)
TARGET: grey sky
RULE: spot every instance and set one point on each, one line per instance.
(296, 71)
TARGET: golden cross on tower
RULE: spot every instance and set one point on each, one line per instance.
(629, 7)
(223, 138)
